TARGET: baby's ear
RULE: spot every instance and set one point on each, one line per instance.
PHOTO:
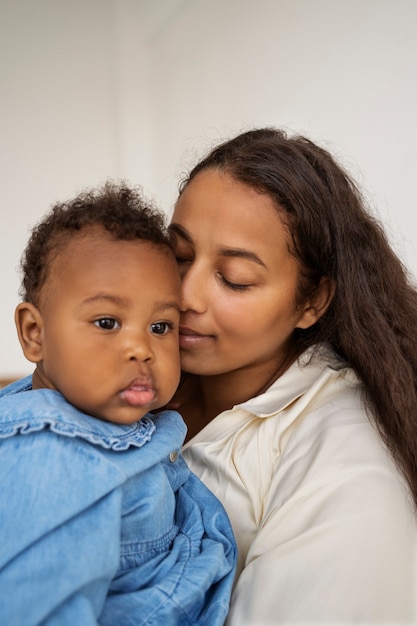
(29, 325)
(318, 304)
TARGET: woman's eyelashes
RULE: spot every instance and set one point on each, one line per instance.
(186, 258)
(181, 260)
(234, 286)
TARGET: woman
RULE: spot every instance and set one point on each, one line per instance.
(299, 350)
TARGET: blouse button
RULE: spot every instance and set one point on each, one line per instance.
(173, 456)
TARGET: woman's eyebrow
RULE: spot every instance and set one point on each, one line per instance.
(241, 253)
(179, 230)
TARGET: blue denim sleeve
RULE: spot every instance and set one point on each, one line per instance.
(60, 525)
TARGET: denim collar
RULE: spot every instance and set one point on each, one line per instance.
(25, 410)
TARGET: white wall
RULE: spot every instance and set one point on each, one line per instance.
(140, 88)
(343, 72)
(59, 126)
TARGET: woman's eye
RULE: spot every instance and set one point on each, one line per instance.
(182, 254)
(161, 328)
(181, 260)
(107, 323)
(234, 286)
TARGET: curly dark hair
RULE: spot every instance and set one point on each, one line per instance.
(118, 208)
(372, 319)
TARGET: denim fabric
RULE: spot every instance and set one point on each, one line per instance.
(104, 523)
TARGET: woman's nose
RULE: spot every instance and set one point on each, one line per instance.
(193, 290)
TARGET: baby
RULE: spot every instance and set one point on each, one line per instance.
(102, 521)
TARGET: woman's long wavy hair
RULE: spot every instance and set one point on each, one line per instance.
(372, 319)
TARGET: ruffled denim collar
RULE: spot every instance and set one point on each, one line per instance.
(25, 410)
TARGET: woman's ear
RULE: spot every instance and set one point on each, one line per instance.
(29, 325)
(317, 305)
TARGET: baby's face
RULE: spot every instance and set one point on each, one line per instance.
(110, 338)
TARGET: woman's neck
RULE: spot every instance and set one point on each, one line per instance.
(202, 398)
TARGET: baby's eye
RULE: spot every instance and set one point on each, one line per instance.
(107, 323)
(161, 328)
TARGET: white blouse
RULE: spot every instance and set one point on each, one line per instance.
(325, 526)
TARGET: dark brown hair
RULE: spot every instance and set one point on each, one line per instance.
(372, 319)
(120, 210)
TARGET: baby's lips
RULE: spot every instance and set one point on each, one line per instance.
(139, 393)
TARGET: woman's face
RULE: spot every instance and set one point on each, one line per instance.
(239, 278)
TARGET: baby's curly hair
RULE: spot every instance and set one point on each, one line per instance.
(121, 210)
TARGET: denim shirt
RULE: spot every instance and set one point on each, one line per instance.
(104, 523)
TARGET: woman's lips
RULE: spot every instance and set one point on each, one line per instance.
(190, 338)
(139, 393)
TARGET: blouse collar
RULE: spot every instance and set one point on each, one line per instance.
(295, 382)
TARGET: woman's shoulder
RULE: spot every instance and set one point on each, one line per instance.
(332, 439)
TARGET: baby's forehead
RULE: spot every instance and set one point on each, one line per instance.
(74, 250)
(94, 246)
(95, 239)
(95, 262)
